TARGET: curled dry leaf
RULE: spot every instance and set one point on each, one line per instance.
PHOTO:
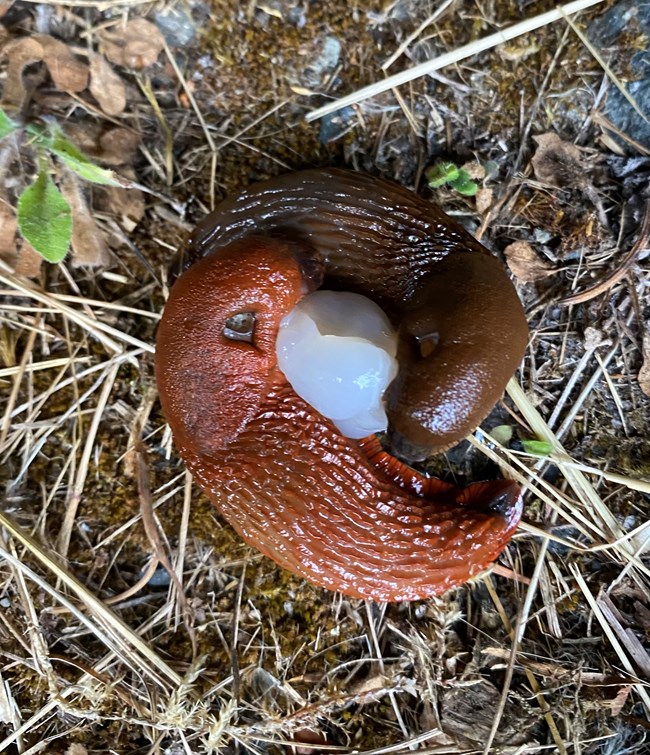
(68, 73)
(88, 243)
(136, 45)
(106, 86)
(644, 372)
(474, 170)
(525, 264)
(558, 163)
(20, 53)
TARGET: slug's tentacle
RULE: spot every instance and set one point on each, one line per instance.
(344, 514)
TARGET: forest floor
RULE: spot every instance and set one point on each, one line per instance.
(101, 650)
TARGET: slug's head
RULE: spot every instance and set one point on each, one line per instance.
(459, 338)
(462, 335)
(215, 348)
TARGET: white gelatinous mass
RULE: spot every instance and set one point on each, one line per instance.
(337, 350)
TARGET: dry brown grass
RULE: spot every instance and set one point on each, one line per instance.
(133, 620)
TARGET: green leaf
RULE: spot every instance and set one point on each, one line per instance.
(442, 173)
(75, 159)
(44, 218)
(464, 184)
(7, 126)
(467, 189)
(537, 447)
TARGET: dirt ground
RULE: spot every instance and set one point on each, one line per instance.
(101, 649)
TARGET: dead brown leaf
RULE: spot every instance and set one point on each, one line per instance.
(68, 73)
(106, 86)
(484, 198)
(8, 228)
(117, 146)
(20, 53)
(475, 170)
(618, 703)
(88, 242)
(558, 163)
(644, 372)
(127, 205)
(112, 147)
(525, 264)
(29, 261)
(136, 45)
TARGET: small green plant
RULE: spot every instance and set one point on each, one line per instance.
(449, 173)
(537, 447)
(44, 215)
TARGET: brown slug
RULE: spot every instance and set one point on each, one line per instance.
(342, 513)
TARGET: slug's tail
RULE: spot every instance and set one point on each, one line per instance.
(499, 497)
(365, 525)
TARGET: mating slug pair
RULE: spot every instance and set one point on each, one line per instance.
(343, 513)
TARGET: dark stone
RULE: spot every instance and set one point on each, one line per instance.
(606, 31)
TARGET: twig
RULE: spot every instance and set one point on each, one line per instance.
(466, 51)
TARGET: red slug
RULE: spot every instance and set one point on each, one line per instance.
(342, 513)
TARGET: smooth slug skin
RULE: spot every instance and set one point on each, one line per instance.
(342, 513)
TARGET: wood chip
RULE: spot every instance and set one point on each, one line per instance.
(525, 263)
(106, 86)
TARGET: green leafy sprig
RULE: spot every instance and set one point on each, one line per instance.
(44, 215)
(449, 173)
